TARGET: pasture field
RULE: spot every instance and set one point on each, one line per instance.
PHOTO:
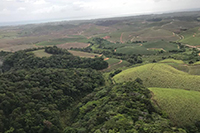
(62, 41)
(160, 75)
(14, 48)
(194, 69)
(41, 53)
(73, 45)
(166, 46)
(152, 34)
(191, 37)
(112, 61)
(83, 54)
(180, 65)
(172, 61)
(182, 106)
(115, 36)
(121, 64)
(197, 63)
(134, 50)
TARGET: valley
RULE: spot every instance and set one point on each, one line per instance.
(138, 74)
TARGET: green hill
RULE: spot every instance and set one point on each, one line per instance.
(182, 106)
(121, 108)
(160, 75)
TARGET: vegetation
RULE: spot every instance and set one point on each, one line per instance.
(83, 54)
(41, 53)
(160, 75)
(61, 59)
(49, 89)
(120, 108)
(181, 106)
(31, 101)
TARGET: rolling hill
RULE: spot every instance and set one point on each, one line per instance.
(160, 75)
(182, 106)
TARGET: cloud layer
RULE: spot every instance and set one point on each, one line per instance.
(23, 10)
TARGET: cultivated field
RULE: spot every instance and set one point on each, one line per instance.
(182, 106)
(160, 75)
(72, 45)
(83, 54)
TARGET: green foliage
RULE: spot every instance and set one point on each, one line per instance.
(31, 101)
(56, 51)
(60, 59)
(115, 72)
(120, 108)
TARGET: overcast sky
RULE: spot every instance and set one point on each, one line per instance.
(23, 10)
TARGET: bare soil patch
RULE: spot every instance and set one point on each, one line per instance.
(121, 38)
(106, 37)
(106, 59)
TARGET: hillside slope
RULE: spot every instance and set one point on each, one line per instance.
(182, 106)
(160, 75)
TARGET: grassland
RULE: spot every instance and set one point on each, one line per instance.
(160, 75)
(83, 54)
(41, 53)
(172, 61)
(180, 65)
(182, 106)
(152, 34)
(72, 45)
(191, 37)
(112, 61)
(134, 50)
(116, 64)
(14, 48)
(166, 46)
(61, 41)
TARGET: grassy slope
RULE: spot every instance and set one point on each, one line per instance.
(83, 54)
(172, 61)
(191, 37)
(61, 41)
(116, 64)
(134, 50)
(112, 61)
(161, 44)
(180, 65)
(160, 75)
(41, 53)
(182, 106)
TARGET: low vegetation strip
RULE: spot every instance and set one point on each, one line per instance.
(83, 54)
(160, 75)
(172, 61)
(182, 106)
(41, 53)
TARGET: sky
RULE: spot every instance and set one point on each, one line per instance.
(28, 10)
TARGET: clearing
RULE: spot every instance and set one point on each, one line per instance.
(41, 53)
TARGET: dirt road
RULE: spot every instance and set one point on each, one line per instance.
(121, 38)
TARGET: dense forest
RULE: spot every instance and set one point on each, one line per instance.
(34, 91)
(61, 59)
(67, 94)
